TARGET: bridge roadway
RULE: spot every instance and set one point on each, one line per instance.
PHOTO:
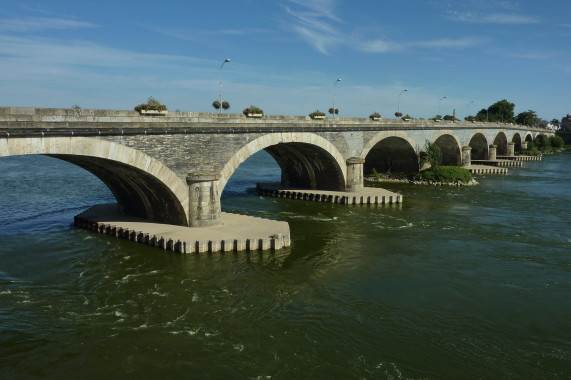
(172, 169)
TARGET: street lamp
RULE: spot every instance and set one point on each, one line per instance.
(398, 102)
(467, 107)
(338, 80)
(226, 60)
(444, 97)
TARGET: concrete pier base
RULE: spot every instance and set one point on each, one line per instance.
(233, 233)
(486, 169)
(367, 195)
(502, 163)
(520, 158)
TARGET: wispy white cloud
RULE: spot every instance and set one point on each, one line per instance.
(491, 18)
(316, 23)
(449, 43)
(319, 8)
(500, 12)
(34, 24)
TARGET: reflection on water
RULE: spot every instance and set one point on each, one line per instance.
(470, 282)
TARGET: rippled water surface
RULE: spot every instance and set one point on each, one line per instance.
(456, 283)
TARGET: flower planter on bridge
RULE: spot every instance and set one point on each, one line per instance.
(153, 112)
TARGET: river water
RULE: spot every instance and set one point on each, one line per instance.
(470, 282)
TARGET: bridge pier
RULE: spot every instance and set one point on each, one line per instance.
(466, 156)
(523, 145)
(355, 180)
(511, 149)
(492, 152)
(204, 200)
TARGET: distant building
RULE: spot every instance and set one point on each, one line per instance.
(566, 123)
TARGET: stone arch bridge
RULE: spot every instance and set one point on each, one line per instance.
(173, 168)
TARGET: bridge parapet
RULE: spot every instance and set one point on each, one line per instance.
(23, 118)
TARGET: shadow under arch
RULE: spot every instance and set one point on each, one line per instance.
(450, 147)
(479, 145)
(516, 139)
(528, 137)
(142, 186)
(306, 160)
(501, 141)
(390, 152)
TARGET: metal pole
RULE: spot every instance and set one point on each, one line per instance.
(226, 60)
(338, 80)
(444, 97)
(467, 107)
(398, 103)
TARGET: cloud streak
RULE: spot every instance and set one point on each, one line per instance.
(321, 29)
(34, 24)
(491, 18)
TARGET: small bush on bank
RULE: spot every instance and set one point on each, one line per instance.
(444, 174)
(532, 152)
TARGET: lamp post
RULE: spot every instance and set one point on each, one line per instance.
(338, 80)
(444, 97)
(467, 108)
(398, 102)
(226, 60)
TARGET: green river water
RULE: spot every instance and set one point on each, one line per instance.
(457, 283)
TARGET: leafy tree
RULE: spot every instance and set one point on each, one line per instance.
(433, 154)
(556, 142)
(336, 111)
(527, 118)
(500, 111)
(555, 122)
(541, 141)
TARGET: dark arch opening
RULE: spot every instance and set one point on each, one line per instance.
(138, 193)
(307, 166)
(451, 154)
(517, 140)
(479, 146)
(501, 142)
(391, 155)
(528, 138)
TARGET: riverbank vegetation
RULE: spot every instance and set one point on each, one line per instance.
(436, 174)
(542, 144)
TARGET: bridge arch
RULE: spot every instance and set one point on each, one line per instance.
(516, 139)
(528, 137)
(390, 151)
(501, 141)
(479, 145)
(306, 160)
(142, 186)
(450, 147)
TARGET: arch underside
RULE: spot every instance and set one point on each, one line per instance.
(501, 141)
(307, 166)
(451, 154)
(138, 193)
(391, 155)
(479, 145)
(517, 140)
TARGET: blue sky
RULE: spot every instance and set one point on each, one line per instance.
(287, 54)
